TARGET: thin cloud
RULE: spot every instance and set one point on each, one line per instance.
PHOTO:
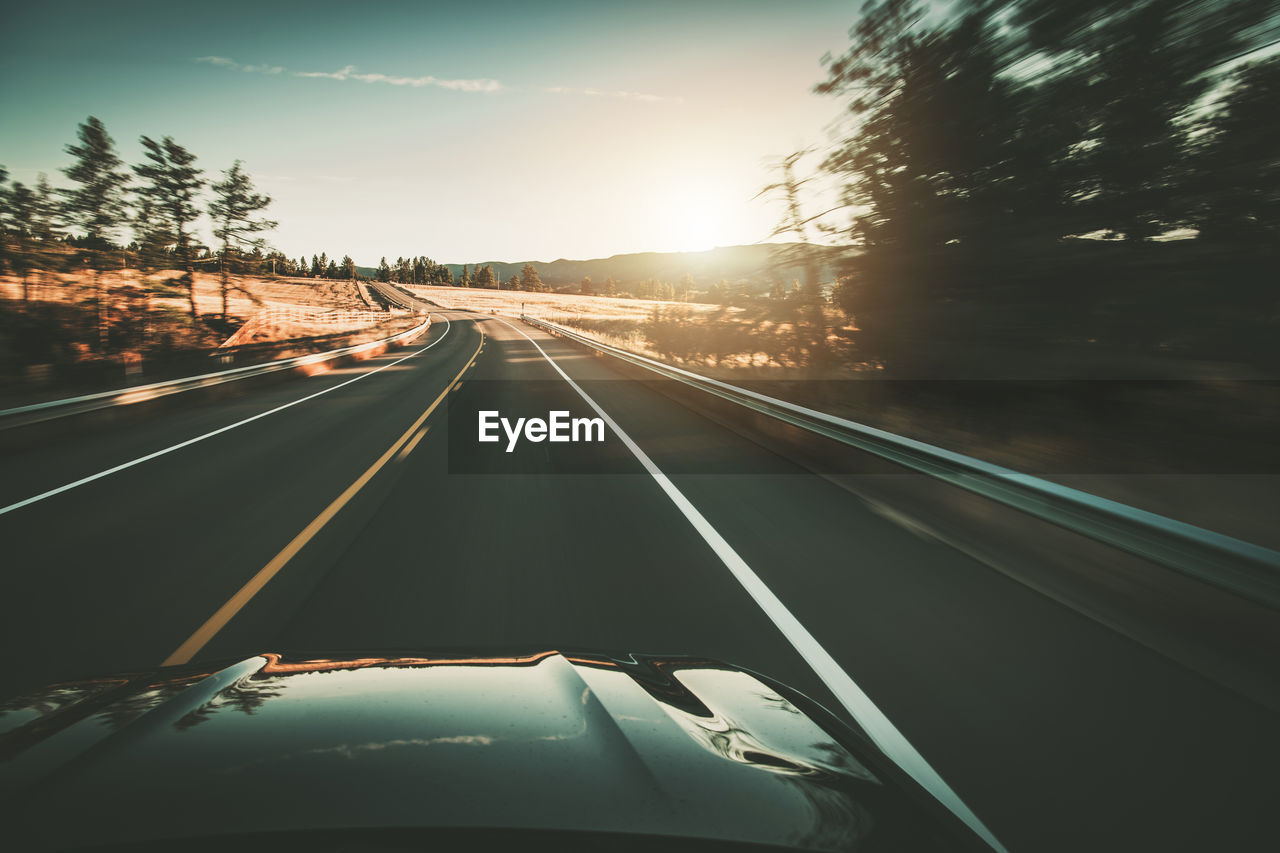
(605, 93)
(223, 62)
(480, 84)
(349, 72)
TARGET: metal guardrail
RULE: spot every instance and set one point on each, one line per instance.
(1240, 567)
(395, 296)
(39, 412)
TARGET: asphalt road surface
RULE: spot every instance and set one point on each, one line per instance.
(370, 517)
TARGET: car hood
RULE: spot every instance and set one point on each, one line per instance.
(543, 741)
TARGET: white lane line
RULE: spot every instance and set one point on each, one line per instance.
(850, 695)
(98, 476)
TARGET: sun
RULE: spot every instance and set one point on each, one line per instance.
(698, 223)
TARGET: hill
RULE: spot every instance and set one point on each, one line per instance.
(756, 265)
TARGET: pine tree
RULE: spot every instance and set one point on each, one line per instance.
(234, 210)
(384, 270)
(348, 268)
(585, 287)
(45, 227)
(150, 236)
(97, 204)
(171, 183)
(485, 278)
(529, 279)
(513, 283)
(610, 287)
(18, 242)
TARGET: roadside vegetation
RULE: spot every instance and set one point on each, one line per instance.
(106, 274)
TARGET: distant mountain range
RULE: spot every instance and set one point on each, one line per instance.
(754, 265)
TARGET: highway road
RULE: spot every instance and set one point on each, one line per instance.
(363, 513)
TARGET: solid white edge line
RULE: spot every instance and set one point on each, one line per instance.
(878, 726)
(148, 457)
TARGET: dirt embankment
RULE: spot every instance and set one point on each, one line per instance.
(247, 296)
(80, 330)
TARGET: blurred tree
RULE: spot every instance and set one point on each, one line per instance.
(45, 225)
(151, 237)
(585, 287)
(19, 245)
(384, 270)
(96, 205)
(1141, 69)
(6, 217)
(513, 283)
(1238, 163)
(803, 254)
(685, 287)
(348, 268)
(170, 186)
(610, 287)
(235, 211)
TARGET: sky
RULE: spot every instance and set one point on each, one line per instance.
(465, 132)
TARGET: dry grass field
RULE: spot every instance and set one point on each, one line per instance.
(249, 297)
(545, 305)
(728, 342)
(612, 320)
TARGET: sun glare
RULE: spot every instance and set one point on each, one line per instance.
(698, 223)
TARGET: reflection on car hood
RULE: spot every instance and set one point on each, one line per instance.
(663, 747)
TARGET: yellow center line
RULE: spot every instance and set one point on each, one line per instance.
(197, 641)
(408, 448)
